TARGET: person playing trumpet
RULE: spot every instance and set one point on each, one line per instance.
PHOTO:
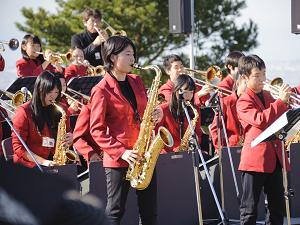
(78, 67)
(260, 166)
(33, 63)
(90, 41)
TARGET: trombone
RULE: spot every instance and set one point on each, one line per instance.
(13, 44)
(111, 29)
(85, 97)
(213, 73)
(73, 99)
(18, 98)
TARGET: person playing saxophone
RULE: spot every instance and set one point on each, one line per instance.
(117, 106)
(174, 118)
(36, 121)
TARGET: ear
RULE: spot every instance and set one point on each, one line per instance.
(113, 57)
(23, 46)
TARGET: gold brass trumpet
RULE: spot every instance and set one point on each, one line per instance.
(274, 86)
(13, 44)
(93, 70)
(57, 58)
(212, 76)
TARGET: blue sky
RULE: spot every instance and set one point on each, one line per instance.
(277, 45)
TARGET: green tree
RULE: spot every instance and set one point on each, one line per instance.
(146, 23)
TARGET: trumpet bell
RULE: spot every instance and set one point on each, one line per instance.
(277, 81)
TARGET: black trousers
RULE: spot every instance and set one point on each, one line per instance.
(252, 185)
(117, 190)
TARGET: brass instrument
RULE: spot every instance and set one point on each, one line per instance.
(95, 70)
(140, 173)
(13, 44)
(56, 57)
(18, 98)
(85, 97)
(212, 76)
(293, 139)
(273, 86)
(62, 155)
(184, 145)
(73, 99)
(112, 31)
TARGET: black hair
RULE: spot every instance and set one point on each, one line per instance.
(35, 40)
(181, 80)
(45, 83)
(232, 59)
(168, 60)
(113, 46)
(247, 63)
(87, 13)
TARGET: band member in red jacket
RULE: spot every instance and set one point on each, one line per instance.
(174, 67)
(118, 102)
(2, 63)
(32, 63)
(261, 166)
(233, 126)
(77, 68)
(1, 131)
(83, 140)
(231, 65)
(174, 117)
(36, 121)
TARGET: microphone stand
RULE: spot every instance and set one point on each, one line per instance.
(195, 145)
(21, 140)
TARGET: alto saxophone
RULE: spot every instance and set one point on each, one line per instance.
(140, 173)
(62, 155)
(184, 145)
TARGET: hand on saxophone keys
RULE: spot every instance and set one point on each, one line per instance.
(130, 156)
(48, 163)
(157, 115)
(68, 139)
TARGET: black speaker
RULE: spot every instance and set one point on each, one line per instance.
(295, 15)
(180, 16)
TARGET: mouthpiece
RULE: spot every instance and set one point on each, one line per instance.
(137, 66)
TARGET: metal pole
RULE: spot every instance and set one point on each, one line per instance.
(192, 63)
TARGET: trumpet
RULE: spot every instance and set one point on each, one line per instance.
(13, 44)
(212, 76)
(57, 58)
(273, 86)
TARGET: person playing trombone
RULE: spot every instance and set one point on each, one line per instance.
(173, 66)
(33, 63)
(91, 40)
(231, 65)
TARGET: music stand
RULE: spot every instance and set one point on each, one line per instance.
(27, 82)
(84, 84)
(285, 126)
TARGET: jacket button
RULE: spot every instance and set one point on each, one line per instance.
(275, 145)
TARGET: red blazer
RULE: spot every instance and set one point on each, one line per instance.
(112, 123)
(255, 118)
(296, 90)
(172, 125)
(1, 132)
(2, 63)
(166, 89)
(233, 126)
(227, 83)
(82, 138)
(74, 71)
(28, 131)
(28, 68)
